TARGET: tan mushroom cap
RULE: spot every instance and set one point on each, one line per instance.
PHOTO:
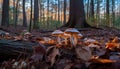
(72, 31)
(87, 40)
(93, 45)
(7, 33)
(79, 35)
(27, 33)
(57, 32)
(66, 35)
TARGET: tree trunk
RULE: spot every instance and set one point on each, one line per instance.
(88, 9)
(107, 13)
(92, 11)
(36, 13)
(13, 10)
(5, 13)
(24, 15)
(58, 11)
(76, 15)
(16, 14)
(30, 26)
(98, 13)
(40, 13)
(47, 13)
(65, 5)
(113, 11)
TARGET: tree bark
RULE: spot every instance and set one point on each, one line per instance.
(65, 5)
(24, 15)
(36, 13)
(58, 11)
(107, 13)
(76, 15)
(92, 11)
(113, 11)
(88, 4)
(98, 13)
(47, 13)
(16, 14)
(30, 26)
(13, 49)
(5, 13)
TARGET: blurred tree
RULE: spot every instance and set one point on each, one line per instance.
(65, 6)
(5, 13)
(24, 14)
(36, 14)
(30, 26)
(92, 10)
(16, 13)
(107, 12)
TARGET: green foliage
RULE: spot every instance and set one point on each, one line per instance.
(11, 21)
(117, 22)
(52, 24)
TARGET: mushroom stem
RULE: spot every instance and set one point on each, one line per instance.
(65, 41)
(75, 41)
(59, 40)
(72, 40)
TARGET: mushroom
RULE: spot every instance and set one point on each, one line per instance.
(66, 36)
(2, 34)
(88, 41)
(73, 35)
(58, 33)
(76, 38)
(27, 34)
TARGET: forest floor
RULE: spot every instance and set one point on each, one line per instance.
(102, 35)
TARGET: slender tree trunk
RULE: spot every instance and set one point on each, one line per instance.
(40, 7)
(107, 13)
(92, 11)
(16, 14)
(47, 13)
(5, 13)
(36, 13)
(30, 26)
(113, 11)
(13, 10)
(61, 8)
(65, 5)
(24, 15)
(58, 10)
(76, 15)
(88, 8)
(98, 12)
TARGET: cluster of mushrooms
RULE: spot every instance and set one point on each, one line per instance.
(4, 35)
(71, 33)
(23, 36)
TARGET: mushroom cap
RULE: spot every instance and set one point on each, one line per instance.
(93, 45)
(24, 30)
(7, 33)
(79, 35)
(57, 32)
(72, 31)
(66, 35)
(89, 40)
(27, 33)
